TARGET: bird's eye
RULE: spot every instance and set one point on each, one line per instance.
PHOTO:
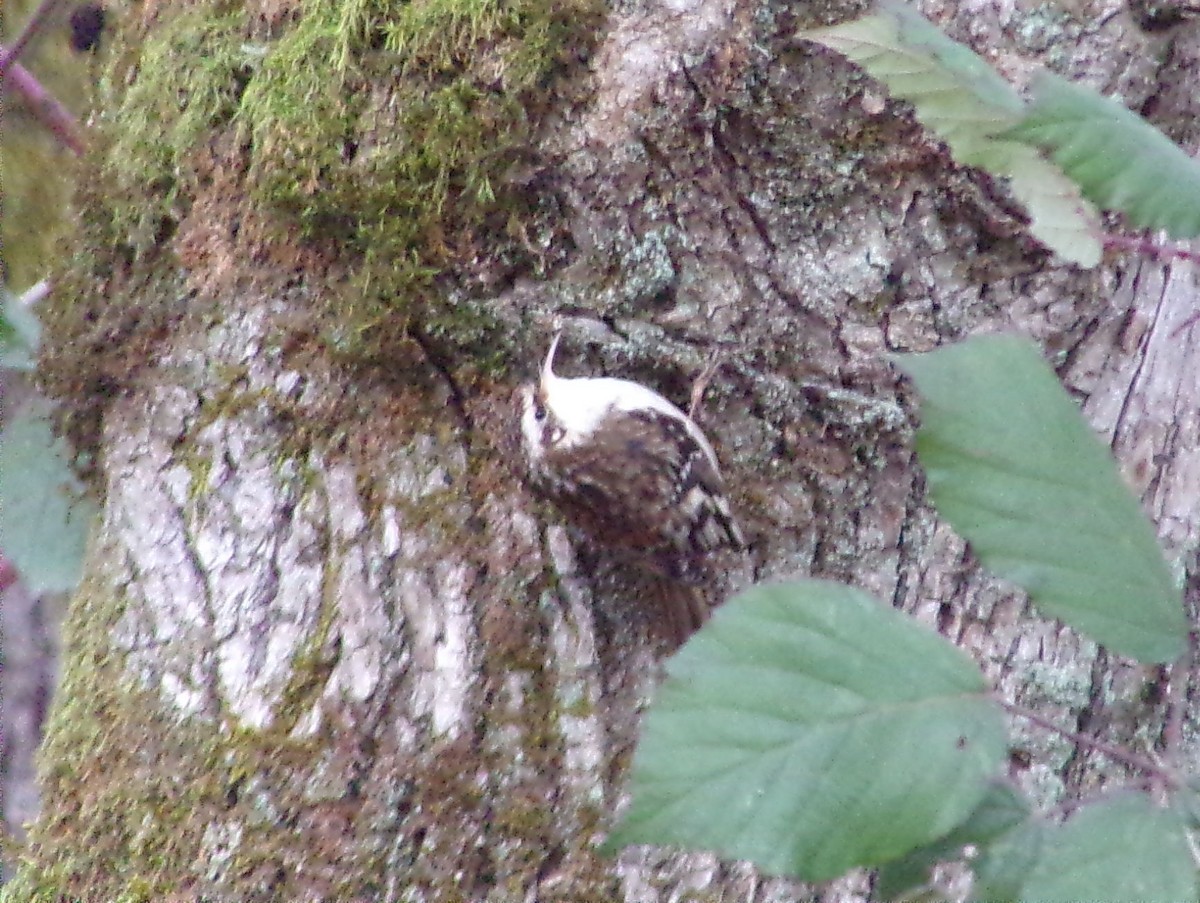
(539, 411)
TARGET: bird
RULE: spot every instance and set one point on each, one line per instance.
(631, 471)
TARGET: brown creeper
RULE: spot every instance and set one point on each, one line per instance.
(629, 468)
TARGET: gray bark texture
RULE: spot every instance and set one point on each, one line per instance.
(328, 646)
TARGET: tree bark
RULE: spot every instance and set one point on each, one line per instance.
(328, 646)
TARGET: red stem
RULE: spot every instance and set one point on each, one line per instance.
(52, 114)
(1149, 248)
(8, 58)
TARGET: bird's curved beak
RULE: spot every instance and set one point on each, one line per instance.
(548, 366)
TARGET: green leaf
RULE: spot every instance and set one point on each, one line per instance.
(810, 729)
(44, 520)
(1189, 804)
(1004, 865)
(958, 97)
(954, 92)
(1123, 848)
(1015, 469)
(1001, 809)
(1059, 216)
(1119, 160)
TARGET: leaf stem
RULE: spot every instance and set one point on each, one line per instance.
(1148, 247)
(44, 105)
(1155, 769)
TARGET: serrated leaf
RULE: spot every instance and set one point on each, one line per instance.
(44, 521)
(962, 100)
(954, 92)
(1015, 469)
(1000, 810)
(1059, 216)
(1123, 848)
(809, 729)
(1119, 160)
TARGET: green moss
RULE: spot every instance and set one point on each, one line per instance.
(105, 799)
(299, 109)
(163, 95)
(158, 111)
(133, 792)
(412, 141)
(387, 149)
(399, 129)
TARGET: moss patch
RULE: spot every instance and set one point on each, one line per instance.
(158, 110)
(164, 93)
(405, 131)
(377, 161)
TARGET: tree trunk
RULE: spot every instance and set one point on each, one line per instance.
(328, 646)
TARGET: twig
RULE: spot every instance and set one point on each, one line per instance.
(1149, 248)
(1066, 807)
(37, 292)
(8, 58)
(1142, 763)
(53, 114)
